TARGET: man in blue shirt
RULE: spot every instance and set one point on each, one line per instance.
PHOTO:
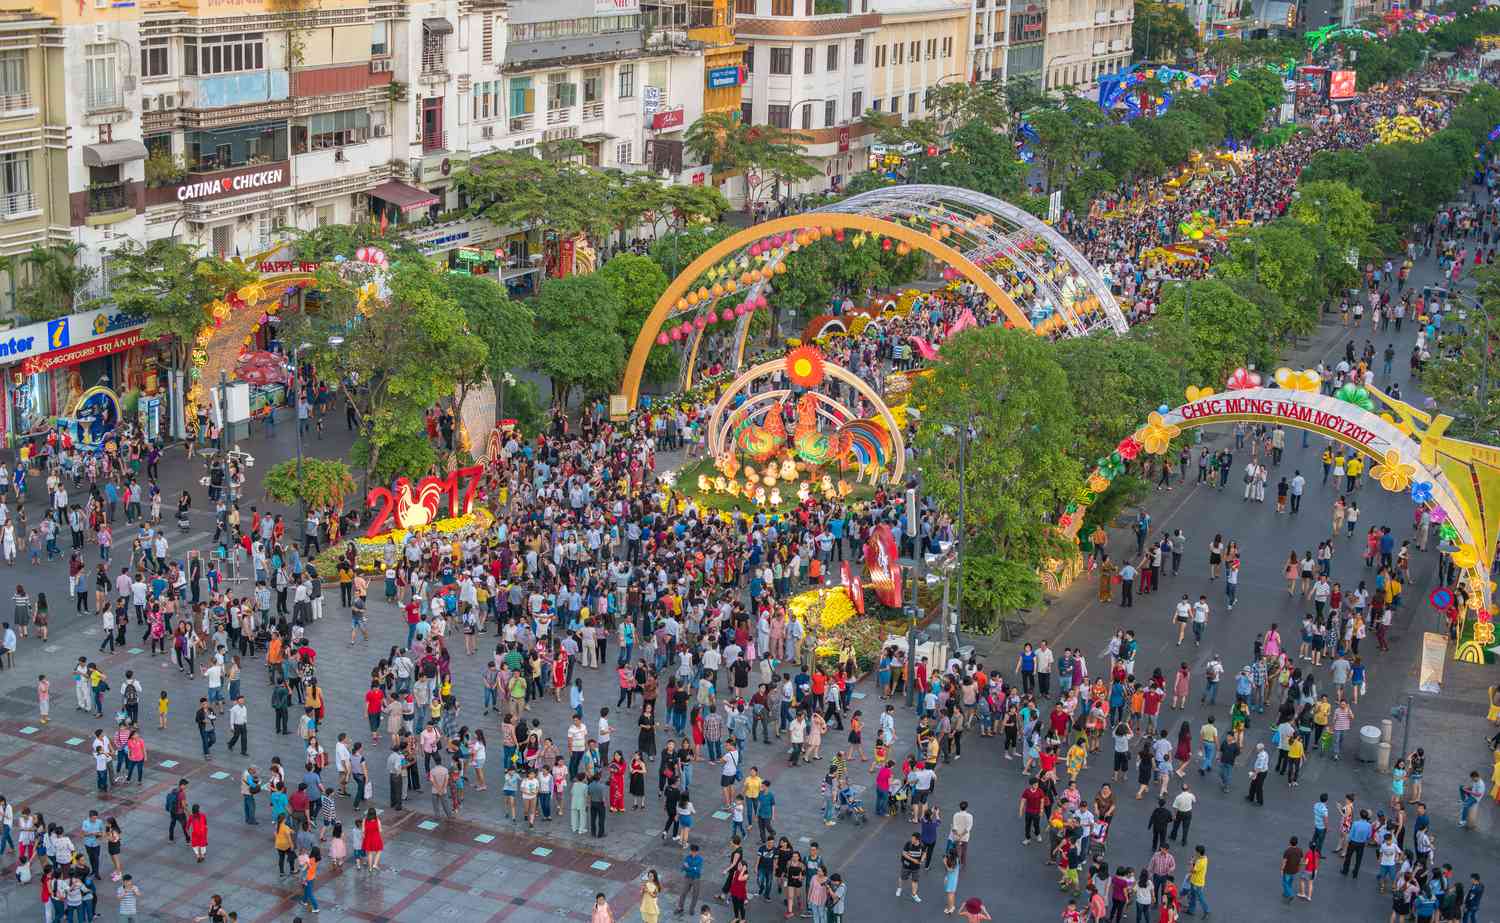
(692, 874)
(1472, 899)
(765, 810)
(1320, 823)
(1359, 837)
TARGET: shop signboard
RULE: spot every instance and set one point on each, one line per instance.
(60, 335)
(720, 78)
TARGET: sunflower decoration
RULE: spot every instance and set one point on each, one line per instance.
(804, 367)
(1392, 473)
(1466, 556)
(1157, 434)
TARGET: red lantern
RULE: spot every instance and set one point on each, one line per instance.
(838, 235)
(885, 244)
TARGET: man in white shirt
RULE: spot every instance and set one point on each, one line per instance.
(578, 738)
(963, 828)
(1182, 819)
(341, 760)
(1044, 661)
(603, 737)
(214, 673)
(239, 728)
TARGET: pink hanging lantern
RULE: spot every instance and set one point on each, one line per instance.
(661, 339)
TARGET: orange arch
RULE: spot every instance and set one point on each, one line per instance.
(630, 386)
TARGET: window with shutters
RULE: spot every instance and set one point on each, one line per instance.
(931, 48)
(808, 58)
(857, 105)
(781, 61)
(859, 52)
(487, 100)
(487, 39)
(916, 51)
(744, 7)
(833, 58)
(830, 112)
(783, 8)
(778, 116)
(898, 53)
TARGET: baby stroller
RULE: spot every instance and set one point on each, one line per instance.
(900, 799)
(850, 806)
(1098, 841)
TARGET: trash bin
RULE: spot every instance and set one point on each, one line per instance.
(1369, 743)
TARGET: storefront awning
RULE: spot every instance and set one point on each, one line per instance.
(437, 25)
(403, 195)
(116, 152)
(595, 137)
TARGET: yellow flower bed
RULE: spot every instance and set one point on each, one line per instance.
(479, 519)
(838, 608)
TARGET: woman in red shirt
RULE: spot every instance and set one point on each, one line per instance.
(198, 833)
(373, 843)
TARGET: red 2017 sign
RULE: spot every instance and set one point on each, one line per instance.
(416, 507)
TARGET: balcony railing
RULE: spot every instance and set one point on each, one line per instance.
(98, 100)
(520, 123)
(14, 203)
(13, 102)
(434, 141)
(560, 116)
(434, 63)
(592, 112)
(107, 197)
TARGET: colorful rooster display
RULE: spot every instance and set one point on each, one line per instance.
(421, 508)
(761, 441)
(866, 443)
(811, 445)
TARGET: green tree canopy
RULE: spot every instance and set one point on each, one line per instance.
(1114, 383)
(49, 281)
(1207, 330)
(171, 285)
(1337, 208)
(578, 341)
(638, 282)
(1009, 386)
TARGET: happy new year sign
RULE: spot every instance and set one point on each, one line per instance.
(1277, 410)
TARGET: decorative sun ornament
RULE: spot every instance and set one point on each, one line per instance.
(804, 367)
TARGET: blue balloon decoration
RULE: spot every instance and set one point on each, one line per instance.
(1163, 410)
(1421, 492)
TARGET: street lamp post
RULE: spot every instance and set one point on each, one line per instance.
(965, 434)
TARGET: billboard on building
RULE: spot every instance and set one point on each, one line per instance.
(1341, 85)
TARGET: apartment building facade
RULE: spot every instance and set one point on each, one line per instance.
(1085, 40)
(1007, 40)
(921, 45)
(808, 64)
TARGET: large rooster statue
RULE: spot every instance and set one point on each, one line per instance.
(811, 445)
(421, 509)
(761, 441)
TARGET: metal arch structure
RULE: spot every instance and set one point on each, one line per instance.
(1036, 278)
(1064, 280)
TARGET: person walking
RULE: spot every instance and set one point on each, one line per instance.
(197, 825)
(1197, 880)
(692, 879)
(1291, 864)
(1259, 769)
(911, 866)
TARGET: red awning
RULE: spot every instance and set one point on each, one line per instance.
(403, 195)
